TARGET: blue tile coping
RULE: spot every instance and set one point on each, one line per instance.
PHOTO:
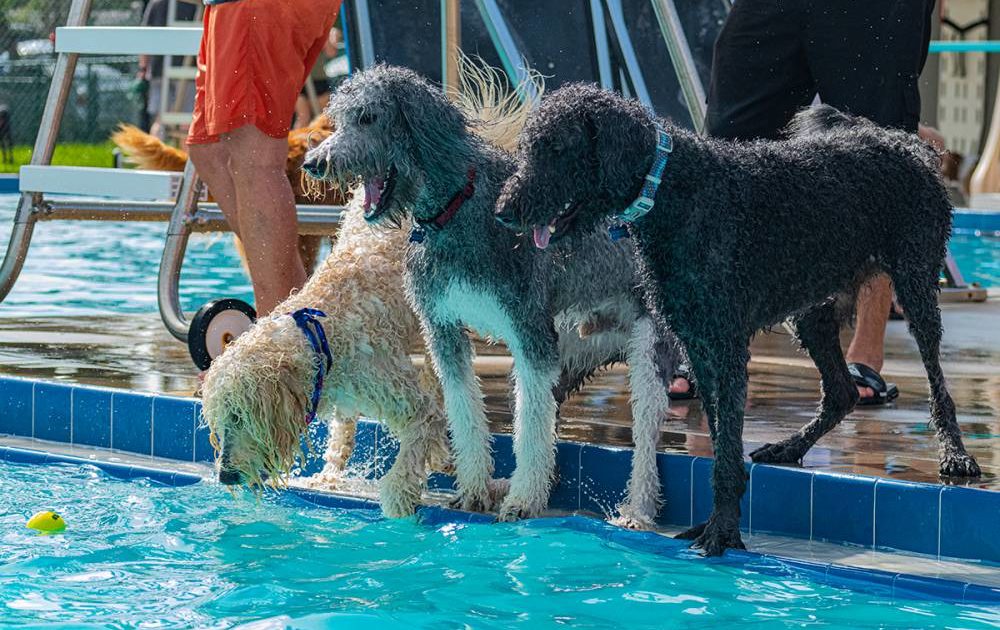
(964, 220)
(119, 471)
(873, 513)
(875, 582)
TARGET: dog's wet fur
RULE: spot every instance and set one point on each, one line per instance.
(393, 126)
(744, 236)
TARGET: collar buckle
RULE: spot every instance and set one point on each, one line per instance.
(646, 200)
(639, 208)
(419, 232)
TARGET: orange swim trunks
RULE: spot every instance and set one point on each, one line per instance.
(255, 57)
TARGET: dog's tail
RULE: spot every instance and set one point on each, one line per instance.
(495, 111)
(147, 151)
(821, 119)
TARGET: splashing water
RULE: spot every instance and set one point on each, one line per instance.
(137, 553)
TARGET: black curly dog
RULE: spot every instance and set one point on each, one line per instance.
(745, 235)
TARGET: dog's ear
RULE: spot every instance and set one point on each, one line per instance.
(617, 127)
(435, 125)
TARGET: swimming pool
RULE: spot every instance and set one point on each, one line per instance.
(978, 257)
(84, 267)
(144, 553)
(92, 267)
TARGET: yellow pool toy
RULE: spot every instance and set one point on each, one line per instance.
(47, 523)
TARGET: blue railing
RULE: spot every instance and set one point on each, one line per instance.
(942, 46)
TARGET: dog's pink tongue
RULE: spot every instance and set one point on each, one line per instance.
(542, 236)
(373, 192)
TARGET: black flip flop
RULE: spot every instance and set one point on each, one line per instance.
(683, 371)
(864, 376)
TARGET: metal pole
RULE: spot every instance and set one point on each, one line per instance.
(601, 44)
(680, 56)
(628, 52)
(366, 44)
(503, 42)
(313, 220)
(45, 142)
(451, 42)
(167, 292)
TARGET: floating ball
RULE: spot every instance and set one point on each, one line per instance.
(47, 523)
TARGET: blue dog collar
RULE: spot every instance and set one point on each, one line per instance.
(306, 319)
(644, 203)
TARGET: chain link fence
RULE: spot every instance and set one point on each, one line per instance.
(104, 91)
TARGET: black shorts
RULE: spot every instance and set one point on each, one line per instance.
(773, 56)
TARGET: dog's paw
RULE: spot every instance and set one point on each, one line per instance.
(959, 464)
(693, 533)
(785, 452)
(473, 500)
(515, 508)
(719, 534)
(399, 494)
(632, 520)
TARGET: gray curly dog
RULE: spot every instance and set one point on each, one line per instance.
(743, 236)
(566, 310)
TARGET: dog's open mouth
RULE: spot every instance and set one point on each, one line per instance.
(378, 194)
(557, 227)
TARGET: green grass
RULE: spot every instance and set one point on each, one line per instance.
(70, 154)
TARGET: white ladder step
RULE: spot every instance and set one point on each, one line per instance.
(101, 182)
(128, 40)
(187, 73)
(175, 118)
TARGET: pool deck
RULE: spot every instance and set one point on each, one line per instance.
(135, 352)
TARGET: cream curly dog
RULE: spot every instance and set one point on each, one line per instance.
(258, 393)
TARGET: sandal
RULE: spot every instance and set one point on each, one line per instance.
(864, 376)
(683, 371)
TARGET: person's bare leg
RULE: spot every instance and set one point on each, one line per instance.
(302, 112)
(267, 218)
(867, 346)
(212, 163)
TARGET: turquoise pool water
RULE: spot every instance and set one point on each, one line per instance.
(142, 554)
(91, 267)
(83, 268)
(978, 257)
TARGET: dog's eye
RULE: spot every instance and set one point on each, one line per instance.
(366, 118)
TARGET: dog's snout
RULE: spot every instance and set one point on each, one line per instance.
(316, 166)
(230, 477)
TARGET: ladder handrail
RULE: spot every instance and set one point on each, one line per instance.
(45, 142)
(185, 215)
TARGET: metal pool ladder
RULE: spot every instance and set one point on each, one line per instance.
(126, 195)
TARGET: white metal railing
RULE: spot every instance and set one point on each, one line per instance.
(126, 195)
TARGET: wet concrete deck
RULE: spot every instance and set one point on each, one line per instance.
(136, 352)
